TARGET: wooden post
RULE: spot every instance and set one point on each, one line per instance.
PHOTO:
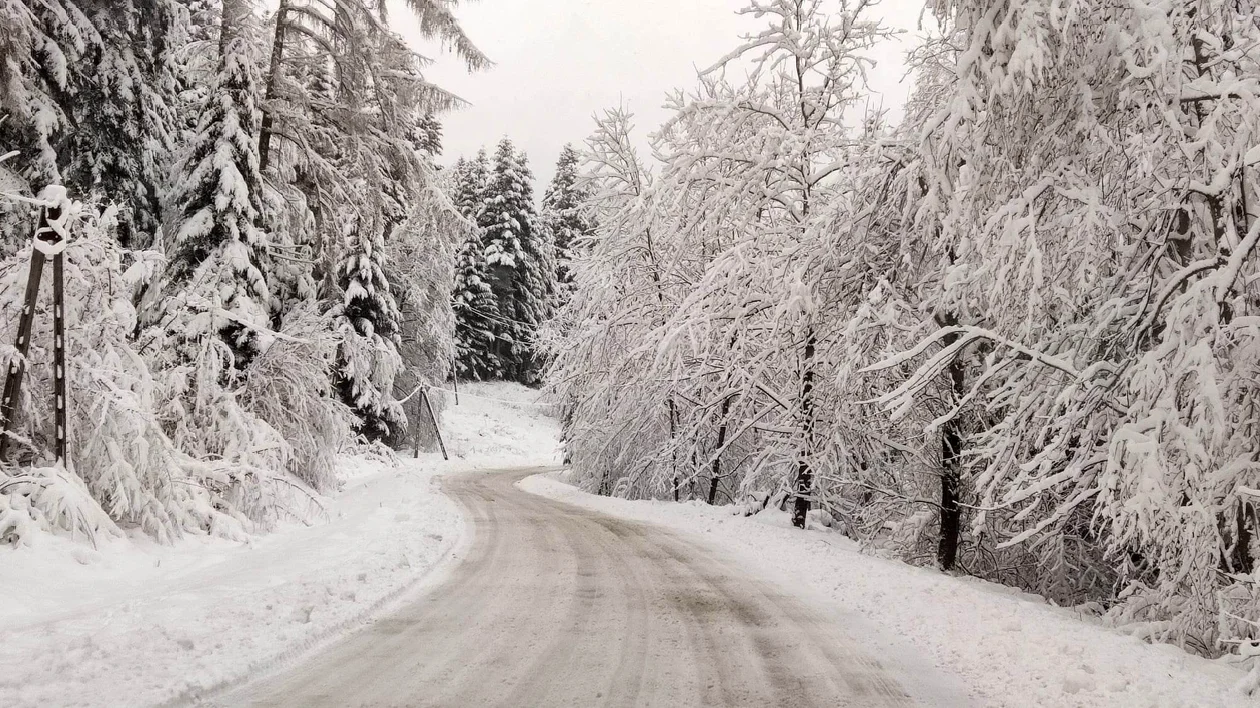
(415, 439)
(17, 367)
(424, 396)
(60, 398)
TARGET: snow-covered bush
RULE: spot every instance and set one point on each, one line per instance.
(44, 499)
(121, 455)
(288, 386)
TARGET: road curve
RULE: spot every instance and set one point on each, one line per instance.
(559, 606)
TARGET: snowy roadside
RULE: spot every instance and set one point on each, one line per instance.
(136, 623)
(1006, 647)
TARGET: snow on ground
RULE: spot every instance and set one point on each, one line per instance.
(1006, 647)
(498, 424)
(135, 623)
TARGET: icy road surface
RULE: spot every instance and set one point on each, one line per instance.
(559, 606)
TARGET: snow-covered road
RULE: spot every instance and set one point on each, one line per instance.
(556, 605)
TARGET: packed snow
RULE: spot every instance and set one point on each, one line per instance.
(1007, 648)
(136, 623)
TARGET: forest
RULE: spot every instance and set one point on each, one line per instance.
(259, 267)
(1014, 335)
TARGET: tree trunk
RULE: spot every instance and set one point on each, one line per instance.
(273, 81)
(1239, 558)
(804, 471)
(716, 470)
(951, 472)
(673, 424)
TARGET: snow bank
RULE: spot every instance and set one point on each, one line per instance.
(135, 623)
(1007, 647)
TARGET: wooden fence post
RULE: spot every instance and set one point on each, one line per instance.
(424, 396)
(47, 240)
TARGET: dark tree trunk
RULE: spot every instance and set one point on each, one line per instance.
(1239, 559)
(716, 470)
(804, 471)
(951, 472)
(673, 424)
(273, 81)
(804, 483)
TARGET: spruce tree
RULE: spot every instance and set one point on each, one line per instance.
(215, 260)
(521, 264)
(370, 321)
(476, 310)
(427, 135)
(124, 116)
(85, 93)
(565, 219)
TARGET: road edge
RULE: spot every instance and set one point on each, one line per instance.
(410, 591)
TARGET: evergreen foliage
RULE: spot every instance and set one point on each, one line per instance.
(476, 308)
(520, 259)
(217, 248)
(565, 218)
(260, 250)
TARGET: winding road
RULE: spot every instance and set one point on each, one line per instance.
(554, 605)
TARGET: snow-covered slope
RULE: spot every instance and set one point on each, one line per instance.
(498, 424)
(135, 623)
(1008, 648)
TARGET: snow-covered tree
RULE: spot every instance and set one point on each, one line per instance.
(476, 309)
(615, 419)
(420, 259)
(262, 236)
(87, 89)
(1088, 254)
(564, 217)
(214, 283)
(369, 359)
(428, 135)
(743, 359)
(520, 260)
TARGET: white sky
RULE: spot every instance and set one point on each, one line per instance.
(558, 62)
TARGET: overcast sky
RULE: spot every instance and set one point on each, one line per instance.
(558, 62)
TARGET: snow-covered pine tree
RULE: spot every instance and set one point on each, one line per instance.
(565, 218)
(41, 45)
(428, 135)
(124, 112)
(347, 107)
(536, 289)
(87, 88)
(214, 283)
(369, 356)
(195, 62)
(521, 264)
(476, 309)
